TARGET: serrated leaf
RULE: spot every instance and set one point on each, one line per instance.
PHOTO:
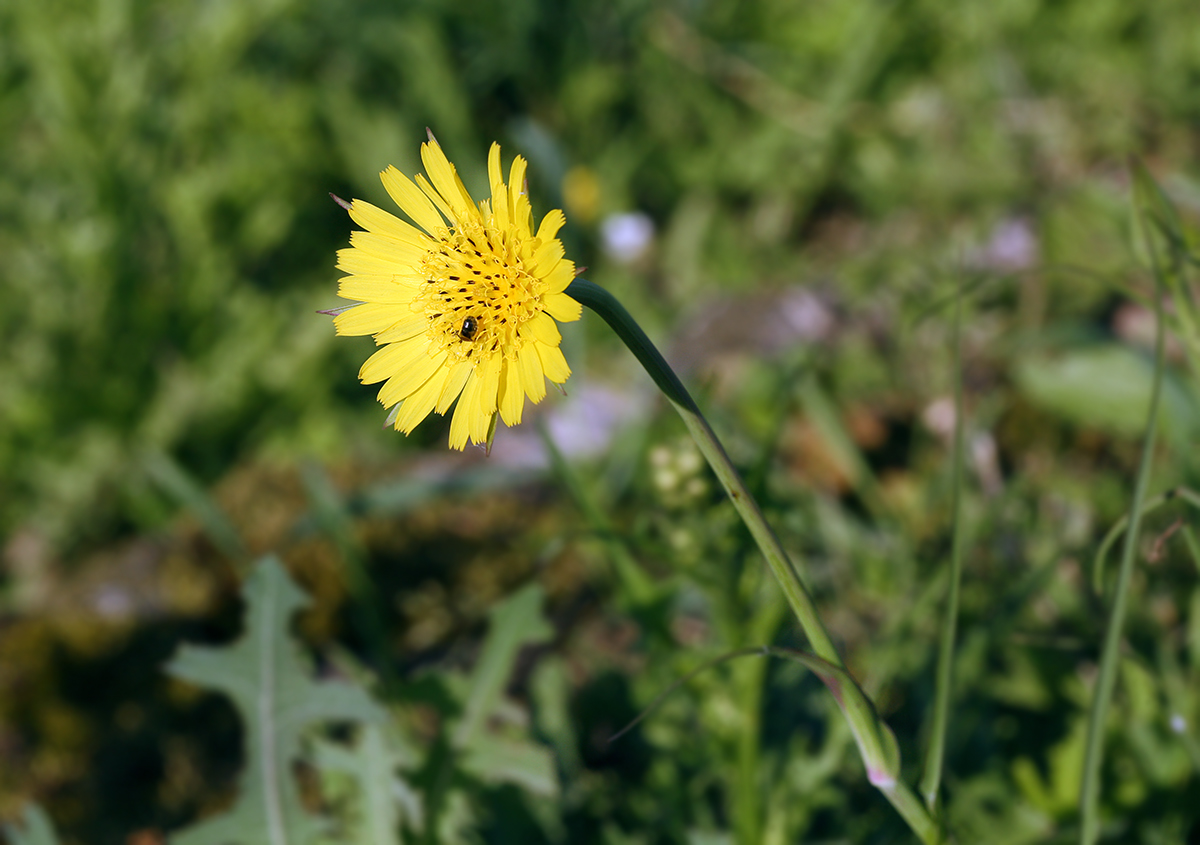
(379, 799)
(277, 698)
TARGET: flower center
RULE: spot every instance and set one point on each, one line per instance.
(477, 293)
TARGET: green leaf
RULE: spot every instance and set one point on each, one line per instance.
(516, 622)
(491, 738)
(523, 763)
(277, 699)
(35, 829)
(364, 775)
(550, 690)
(1105, 387)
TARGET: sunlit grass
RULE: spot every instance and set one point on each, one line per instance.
(172, 408)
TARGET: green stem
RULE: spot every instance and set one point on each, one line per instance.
(613, 313)
(875, 742)
(1102, 697)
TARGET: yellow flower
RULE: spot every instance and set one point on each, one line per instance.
(463, 310)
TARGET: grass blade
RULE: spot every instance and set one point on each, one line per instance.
(936, 752)
(1102, 696)
(333, 518)
(177, 483)
(636, 588)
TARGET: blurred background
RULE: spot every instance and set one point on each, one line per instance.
(786, 194)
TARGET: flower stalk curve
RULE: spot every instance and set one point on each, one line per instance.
(876, 743)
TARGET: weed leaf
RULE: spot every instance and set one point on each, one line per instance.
(488, 752)
(363, 777)
(277, 698)
(516, 622)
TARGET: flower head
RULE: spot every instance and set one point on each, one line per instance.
(463, 307)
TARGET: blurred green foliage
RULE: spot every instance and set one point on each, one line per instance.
(165, 164)
(167, 237)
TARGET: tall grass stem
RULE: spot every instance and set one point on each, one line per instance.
(936, 752)
(1110, 656)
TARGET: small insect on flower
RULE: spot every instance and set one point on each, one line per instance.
(463, 305)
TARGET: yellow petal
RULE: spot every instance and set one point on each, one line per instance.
(500, 205)
(480, 425)
(489, 384)
(460, 423)
(400, 254)
(369, 318)
(392, 288)
(459, 431)
(411, 200)
(542, 328)
(437, 199)
(494, 176)
(512, 395)
(415, 323)
(418, 405)
(445, 178)
(551, 223)
(516, 183)
(406, 381)
(522, 215)
(356, 262)
(561, 307)
(391, 359)
(455, 382)
(377, 220)
(553, 363)
(558, 278)
(532, 377)
(478, 410)
(547, 256)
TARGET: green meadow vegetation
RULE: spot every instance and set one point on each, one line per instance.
(929, 268)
